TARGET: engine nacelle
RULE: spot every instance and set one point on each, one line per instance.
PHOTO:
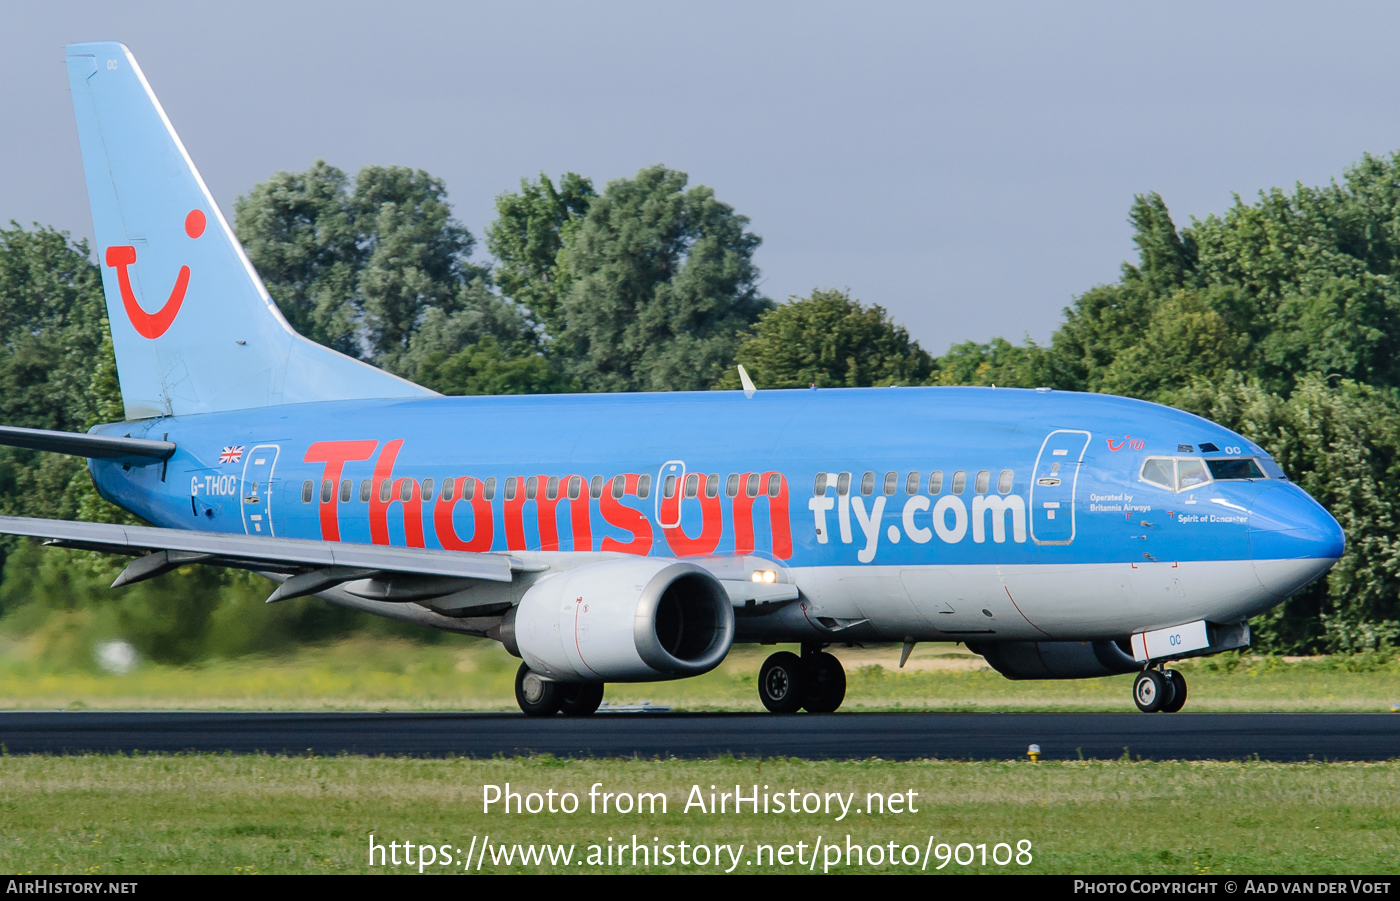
(1056, 659)
(638, 619)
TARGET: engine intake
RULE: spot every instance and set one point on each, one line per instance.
(630, 620)
(1055, 659)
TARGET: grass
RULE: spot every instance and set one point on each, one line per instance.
(467, 674)
(108, 815)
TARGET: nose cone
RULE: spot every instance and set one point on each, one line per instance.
(1292, 538)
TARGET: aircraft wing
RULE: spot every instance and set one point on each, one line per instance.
(312, 565)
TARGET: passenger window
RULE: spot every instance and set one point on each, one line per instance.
(307, 489)
(327, 487)
(1190, 473)
(406, 490)
(532, 487)
(575, 487)
(1158, 472)
(490, 492)
(712, 485)
(427, 490)
(819, 486)
(384, 489)
(843, 484)
(448, 486)
(731, 486)
(551, 488)
(935, 482)
(364, 491)
(1244, 468)
(867, 484)
(668, 488)
(751, 485)
(911, 484)
(644, 487)
(959, 481)
(510, 487)
(1005, 481)
(468, 488)
(619, 484)
(692, 485)
(891, 482)
(345, 489)
(595, 487)
(984, 480)
(775, 484)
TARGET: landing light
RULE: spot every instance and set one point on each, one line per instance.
(765, 575)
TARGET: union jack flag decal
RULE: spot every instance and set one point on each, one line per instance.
(231, 454)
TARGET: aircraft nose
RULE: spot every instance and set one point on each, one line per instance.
(1292, 538)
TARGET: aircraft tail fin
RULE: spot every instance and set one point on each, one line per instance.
(194, 328)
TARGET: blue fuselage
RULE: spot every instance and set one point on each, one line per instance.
(913, 477)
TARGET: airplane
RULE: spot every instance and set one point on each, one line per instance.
(637, 537)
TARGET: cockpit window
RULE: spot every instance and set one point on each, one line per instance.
(1159, 472)
(1190, 472)
(1238, 468)
(1178, 473)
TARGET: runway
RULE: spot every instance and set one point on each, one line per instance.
(993, 736)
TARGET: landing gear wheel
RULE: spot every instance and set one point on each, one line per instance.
(1178, 692)
(536, 696)
(1152, 691)
(579, 698)
(826, 684)
(780, 683)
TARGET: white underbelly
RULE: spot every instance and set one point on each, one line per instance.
(1059, 601)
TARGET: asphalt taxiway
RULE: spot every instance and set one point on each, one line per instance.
(990, 736)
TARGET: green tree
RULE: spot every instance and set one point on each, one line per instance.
(300, 229)
(997, 362)
(53, 341)
(416, 255)
(1341, 443)
(832, 341)
(359, 265)
(530, 230)
(662, 287)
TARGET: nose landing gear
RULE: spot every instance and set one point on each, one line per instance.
(1161, 690)
(815, 681)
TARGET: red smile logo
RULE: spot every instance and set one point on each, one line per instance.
(153, 325)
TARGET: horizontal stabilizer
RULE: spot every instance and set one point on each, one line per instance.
(130, 451)
(282, 555)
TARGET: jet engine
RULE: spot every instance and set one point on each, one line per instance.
(1056, 659)
(636, 619)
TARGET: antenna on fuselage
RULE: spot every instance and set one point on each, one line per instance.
(749, 389)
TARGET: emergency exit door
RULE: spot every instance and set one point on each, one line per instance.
(1053, 486)
(258, 469)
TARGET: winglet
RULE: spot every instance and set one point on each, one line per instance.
(749, 389)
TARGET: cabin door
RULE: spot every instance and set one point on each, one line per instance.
(258, 467)
(1053, 485)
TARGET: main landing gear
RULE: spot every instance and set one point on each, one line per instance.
(1159, 689)
(539, 697)
(815, 681)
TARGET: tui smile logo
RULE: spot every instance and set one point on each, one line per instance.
(153, 325)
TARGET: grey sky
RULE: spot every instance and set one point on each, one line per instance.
(967, 166)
